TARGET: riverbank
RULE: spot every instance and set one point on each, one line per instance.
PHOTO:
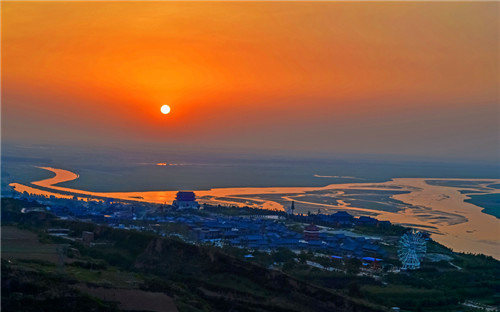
(440, 209)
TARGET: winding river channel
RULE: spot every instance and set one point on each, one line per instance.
(434, 207)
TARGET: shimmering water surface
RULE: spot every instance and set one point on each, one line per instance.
(436, 205)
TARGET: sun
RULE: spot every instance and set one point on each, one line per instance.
(165, 109)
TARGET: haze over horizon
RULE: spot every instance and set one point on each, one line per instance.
(320, 78)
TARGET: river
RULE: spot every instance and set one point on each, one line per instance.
(439, 209)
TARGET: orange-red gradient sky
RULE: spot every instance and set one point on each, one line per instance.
(310, 77)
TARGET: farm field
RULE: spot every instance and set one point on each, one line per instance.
(21, 244)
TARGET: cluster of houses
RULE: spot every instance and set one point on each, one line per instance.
(95, 209)
(338, 219)
(100, 209)
(264, 234)
(255, 233)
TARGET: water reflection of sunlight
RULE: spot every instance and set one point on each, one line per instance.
(463, 226)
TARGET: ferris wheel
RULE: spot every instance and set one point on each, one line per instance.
(412, 249)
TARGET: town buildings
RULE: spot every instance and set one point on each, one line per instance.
(185, 200)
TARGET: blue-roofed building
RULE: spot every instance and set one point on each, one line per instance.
(315, 244)
(342, 218)
(367, 221)
(252, 238)
(235, 242)
(373, 250)
(333, 246)
(185, 200)
(348, 248)
(229, 234)
(384, 223)
(206, 233)
(287, 243)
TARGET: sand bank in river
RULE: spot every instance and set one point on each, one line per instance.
(436, 208)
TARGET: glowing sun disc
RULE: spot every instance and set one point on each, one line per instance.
(165, 109)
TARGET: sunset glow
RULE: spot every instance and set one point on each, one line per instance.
(271, 155)
(338, 76)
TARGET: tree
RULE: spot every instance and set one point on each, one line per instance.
(289, 265)
(282, 255)
(352, 266)
(354, 289)
(302, 257)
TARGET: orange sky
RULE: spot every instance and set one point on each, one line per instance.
(327, 77)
